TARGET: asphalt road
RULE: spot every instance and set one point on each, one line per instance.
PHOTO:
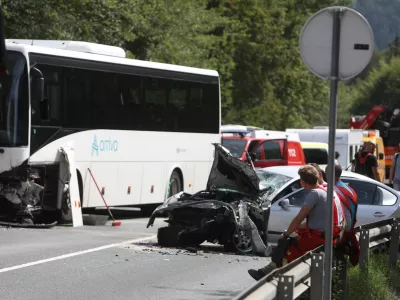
(104, 262)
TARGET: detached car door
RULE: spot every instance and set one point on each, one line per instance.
(375, 202)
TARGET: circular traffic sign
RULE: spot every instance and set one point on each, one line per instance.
(356, 43)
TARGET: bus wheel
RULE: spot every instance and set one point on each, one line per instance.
(175, 184)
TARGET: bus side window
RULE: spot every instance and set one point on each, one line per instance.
(77, 104)
(155, 103)
(203, 111)
(177, 103)
(105, 98)
(210, 109)
(130, 110)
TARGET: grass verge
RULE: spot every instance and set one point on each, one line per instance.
(380, 282)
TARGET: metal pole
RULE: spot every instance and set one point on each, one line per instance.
(331, 159)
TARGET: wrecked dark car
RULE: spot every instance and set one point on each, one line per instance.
(214, 214)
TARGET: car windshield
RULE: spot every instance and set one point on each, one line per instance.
(236, 147)
(272, 181)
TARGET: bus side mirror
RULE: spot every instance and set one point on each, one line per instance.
(37, 85)
(38, 102)
(381, 156)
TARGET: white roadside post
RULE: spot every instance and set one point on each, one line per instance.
(68, 165)
(336, 43)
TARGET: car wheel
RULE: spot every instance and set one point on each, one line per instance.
(240, 242)
(175, 184)
(168, 236)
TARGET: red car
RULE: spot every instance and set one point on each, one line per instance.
(265, 152)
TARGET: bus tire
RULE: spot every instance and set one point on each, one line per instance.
(175, 182)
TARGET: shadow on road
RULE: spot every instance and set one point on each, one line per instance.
(121, 213)
(206, 294)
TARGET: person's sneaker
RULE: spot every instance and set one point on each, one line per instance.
(256, 274)
(260, 273)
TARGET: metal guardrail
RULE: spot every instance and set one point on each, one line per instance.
(306, 273)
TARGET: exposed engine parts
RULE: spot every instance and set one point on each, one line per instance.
(24, 199)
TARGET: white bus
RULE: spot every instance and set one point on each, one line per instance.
(137, 125)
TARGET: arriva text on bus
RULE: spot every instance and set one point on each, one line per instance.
(104, 146)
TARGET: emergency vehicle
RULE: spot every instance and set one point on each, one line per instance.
(386, 121)
(348, 141)
(266, 147)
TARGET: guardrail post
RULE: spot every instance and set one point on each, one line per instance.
(364, 249)
(317, 276)
(394, 243)
(285, 287)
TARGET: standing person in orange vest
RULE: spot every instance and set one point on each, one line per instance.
(366, 162)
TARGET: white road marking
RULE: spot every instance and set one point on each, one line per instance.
(38, 262)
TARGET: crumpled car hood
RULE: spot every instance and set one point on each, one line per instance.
(228, 172)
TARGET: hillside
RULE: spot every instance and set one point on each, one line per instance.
(384, 17)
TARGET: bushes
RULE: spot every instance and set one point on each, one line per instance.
(380, 283)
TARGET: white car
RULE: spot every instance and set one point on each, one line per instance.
(376, 200)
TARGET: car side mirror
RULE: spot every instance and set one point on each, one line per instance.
(381, 156)
(285, 203)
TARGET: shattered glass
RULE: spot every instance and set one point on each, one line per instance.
(272, 181)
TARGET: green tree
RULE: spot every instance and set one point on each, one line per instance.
(272, 87)
(393, 49)
(382, 86)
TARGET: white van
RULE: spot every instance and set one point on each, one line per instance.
(348, 141)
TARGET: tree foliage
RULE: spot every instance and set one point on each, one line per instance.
(382, 86)
(383, 16)
(253, 44)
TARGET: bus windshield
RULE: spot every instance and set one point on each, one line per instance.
(14, 103)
